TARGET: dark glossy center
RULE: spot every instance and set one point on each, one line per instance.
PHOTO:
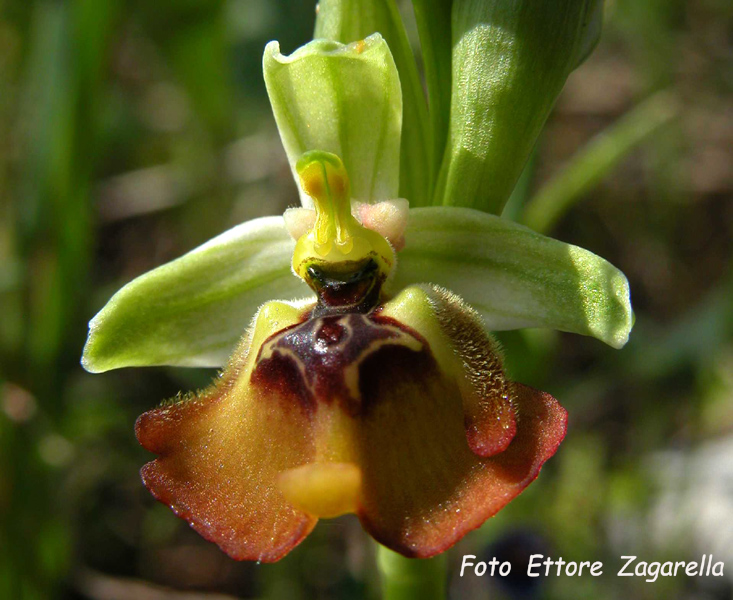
(347, 288)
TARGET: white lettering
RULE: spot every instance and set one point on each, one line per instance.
(622, 572)
(559, 562)
(653, 572)
(532, 565)
(640, 570)
(466, 563)
(548, 562)
(540, 565)
(493, 563)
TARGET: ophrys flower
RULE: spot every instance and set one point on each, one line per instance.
(395, 408)
(382, 394)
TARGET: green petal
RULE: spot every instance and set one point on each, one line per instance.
(514, 276)
(191, 311)
(341, 99)
(350, 20)
(510, 61)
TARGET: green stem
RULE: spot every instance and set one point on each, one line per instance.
(411, 578)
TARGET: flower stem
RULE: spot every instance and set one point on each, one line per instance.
(411, 578)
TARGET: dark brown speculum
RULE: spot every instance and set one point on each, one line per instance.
(322, 358)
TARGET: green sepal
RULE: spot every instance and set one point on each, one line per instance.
(515, 277)
(510, 61)
(350, 20)
(344, 99)
(191, 312)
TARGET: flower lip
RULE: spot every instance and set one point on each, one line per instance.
(365, 413)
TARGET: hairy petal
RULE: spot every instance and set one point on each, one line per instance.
(317, 416)
(423, 494)
(467, 353)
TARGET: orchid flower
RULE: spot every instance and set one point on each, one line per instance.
(371, 384)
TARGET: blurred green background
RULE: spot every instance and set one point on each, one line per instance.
(132, 131)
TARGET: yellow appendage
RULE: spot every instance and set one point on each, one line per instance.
(324, 490)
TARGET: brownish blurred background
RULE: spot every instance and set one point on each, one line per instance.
(132, 131)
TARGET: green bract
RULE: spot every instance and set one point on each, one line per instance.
(509, 61)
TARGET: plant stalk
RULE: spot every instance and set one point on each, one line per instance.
(411, 578)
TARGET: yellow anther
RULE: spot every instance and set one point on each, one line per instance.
(337, 240)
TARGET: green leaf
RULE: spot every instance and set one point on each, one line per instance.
(351, 20)
(433, 19)
(510, 61)
(341, 99)
(595, 160)
(514, 276)
(191, 311)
